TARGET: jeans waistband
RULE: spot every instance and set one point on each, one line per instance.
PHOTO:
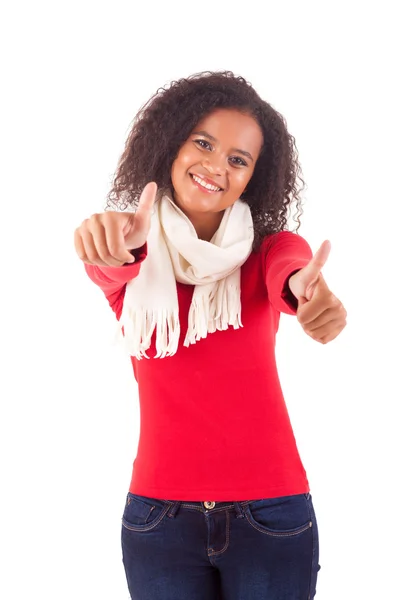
(207, 507)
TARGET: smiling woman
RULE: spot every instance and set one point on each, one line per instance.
(214, 166)
(198, 276)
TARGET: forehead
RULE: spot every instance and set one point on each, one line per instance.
(232, 128)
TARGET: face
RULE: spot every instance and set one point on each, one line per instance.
(215, 164)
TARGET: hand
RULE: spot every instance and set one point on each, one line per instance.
(320, 313)
(106, 238)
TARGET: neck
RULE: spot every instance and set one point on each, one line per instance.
(206, 225)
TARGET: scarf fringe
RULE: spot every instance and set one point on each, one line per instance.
(139, 327)
(204, 318)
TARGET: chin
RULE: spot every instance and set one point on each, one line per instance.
(198, 201)
(200, 205)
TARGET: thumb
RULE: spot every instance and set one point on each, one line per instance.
(318, 261)
(146, 200)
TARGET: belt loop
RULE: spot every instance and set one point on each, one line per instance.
(175, 507)
(239, 510)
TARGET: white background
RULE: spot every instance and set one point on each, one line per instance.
(74, 75)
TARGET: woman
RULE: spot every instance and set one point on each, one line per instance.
(219, 504)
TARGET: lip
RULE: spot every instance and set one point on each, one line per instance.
(208, 180)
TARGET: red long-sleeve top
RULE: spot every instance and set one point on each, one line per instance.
(213, 420)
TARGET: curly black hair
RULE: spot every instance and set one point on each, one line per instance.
(166, 121)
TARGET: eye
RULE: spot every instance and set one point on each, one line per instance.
(237, 161)
(203, 144)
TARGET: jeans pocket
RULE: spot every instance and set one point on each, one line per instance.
(142, 513)
(280, 517)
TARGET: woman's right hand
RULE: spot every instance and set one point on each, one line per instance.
(106, 238)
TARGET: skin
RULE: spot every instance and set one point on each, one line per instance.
(224, 147)
(320, 313)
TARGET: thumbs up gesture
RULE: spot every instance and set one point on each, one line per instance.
(320, 313)
(106, 238)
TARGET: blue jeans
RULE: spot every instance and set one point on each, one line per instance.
(251, 550)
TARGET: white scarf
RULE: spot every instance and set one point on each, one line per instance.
(175, 253)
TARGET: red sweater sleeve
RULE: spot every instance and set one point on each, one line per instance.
(283, 254)
(112, 280)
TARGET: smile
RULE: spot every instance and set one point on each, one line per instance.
(203, 184)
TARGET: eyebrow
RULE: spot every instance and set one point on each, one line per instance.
(213, 139)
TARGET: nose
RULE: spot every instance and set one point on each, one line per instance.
(215, 164)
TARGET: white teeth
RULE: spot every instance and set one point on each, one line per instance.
(206, 185)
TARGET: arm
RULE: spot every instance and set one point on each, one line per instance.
(284, 254)
(112, 280)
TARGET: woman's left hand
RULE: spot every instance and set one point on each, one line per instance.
(320, 313)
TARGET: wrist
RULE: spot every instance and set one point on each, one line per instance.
(287, 293)
(139, 254)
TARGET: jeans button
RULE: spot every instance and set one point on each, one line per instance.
(209, 504)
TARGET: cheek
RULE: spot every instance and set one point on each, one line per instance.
(183, 161)
(177, 170)
(241, 178)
